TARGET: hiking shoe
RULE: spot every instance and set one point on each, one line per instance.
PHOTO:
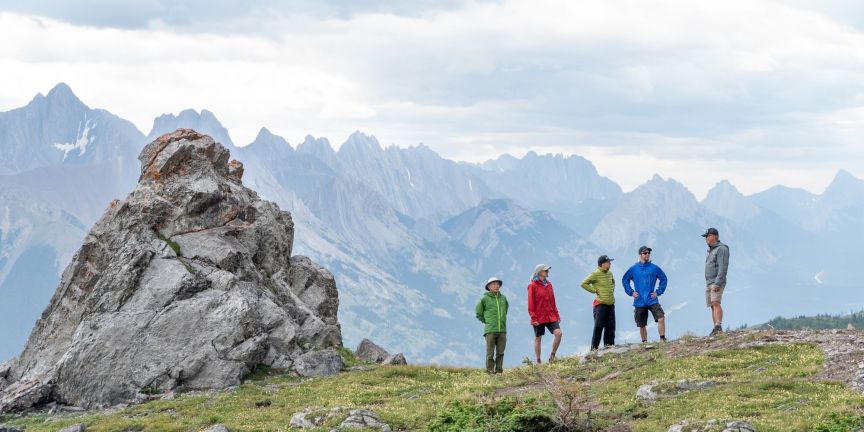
(717, 330)
(538, 361)
(551, 357)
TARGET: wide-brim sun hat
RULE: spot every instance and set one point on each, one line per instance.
(492, 279)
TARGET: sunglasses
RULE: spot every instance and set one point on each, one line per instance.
(646, 253)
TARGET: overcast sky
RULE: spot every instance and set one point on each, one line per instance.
(757, 92)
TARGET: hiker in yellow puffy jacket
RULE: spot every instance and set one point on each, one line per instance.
(601, 283)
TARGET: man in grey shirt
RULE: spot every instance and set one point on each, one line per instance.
(716, 265)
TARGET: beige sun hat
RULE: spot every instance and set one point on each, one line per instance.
(493, 279)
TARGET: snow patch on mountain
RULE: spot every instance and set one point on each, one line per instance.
(81, 142)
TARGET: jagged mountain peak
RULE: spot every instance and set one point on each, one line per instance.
(62, 91)
(844, 191)
(266, 137)
(659, 185)
(361, 144)
(844, 180)
(61, 97)
(269, 145)
(59, 129)
(320, 148)
(727, 201)
(723, 189)
(725, 186)
(204, 121)
(318, 144)
(505, 162)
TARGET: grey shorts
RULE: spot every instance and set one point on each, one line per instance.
(713, 296)
(640, 314)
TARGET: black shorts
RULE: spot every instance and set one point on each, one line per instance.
(641, 314)
(540, 329)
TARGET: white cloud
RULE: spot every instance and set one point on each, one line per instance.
(759, 92)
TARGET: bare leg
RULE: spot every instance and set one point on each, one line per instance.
(661, 326)
(644, 333)
(557, 341)
(717, 312)
(537, 340)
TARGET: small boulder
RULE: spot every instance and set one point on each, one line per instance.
(74, 428)
(4, 428)
(319, 363)
(739, 426)
(646, 392)
(370, 352)
(363, 419)
(396, 359)
(217, 428)
(299, 420)
(711, 426)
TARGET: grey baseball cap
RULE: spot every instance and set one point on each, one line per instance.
(710, 231)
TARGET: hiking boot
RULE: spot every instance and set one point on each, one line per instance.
(538, 360)
(551, 358)
(717, 330)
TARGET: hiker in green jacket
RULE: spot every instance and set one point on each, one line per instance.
(492, 311)
(602, 283)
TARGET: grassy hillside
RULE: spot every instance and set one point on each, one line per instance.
(753, 376)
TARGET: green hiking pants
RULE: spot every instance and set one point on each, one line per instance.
(495, 344)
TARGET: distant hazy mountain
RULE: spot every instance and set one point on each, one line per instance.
(415, 181)
(568, 187)
(725, 200)
(411, 236)
(204, 122)
(58, 129)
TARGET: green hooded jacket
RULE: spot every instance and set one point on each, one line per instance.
(492, 311)
(602, 283)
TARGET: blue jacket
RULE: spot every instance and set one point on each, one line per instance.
(644, 277)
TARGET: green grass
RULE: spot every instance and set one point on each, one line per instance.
(770, 386)
(171, 243)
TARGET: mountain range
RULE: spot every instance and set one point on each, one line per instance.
(411, 236)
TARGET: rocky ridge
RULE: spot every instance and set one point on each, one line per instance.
(189, 283)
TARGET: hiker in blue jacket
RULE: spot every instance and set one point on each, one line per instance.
(644, 276)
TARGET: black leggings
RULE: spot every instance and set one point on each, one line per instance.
(604, 319)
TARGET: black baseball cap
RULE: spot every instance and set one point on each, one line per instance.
(710, 231)
(604, 259)
(643, 249)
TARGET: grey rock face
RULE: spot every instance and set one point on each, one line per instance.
(318, 363)
(187, 284)
(396, 359)
(370, 352)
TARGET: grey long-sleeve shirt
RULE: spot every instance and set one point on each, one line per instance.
(716, 264)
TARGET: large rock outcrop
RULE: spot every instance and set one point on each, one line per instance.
(187, 284)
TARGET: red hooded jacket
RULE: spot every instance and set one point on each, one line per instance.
(541, 302)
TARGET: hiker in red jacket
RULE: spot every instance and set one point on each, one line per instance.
(542, 309)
